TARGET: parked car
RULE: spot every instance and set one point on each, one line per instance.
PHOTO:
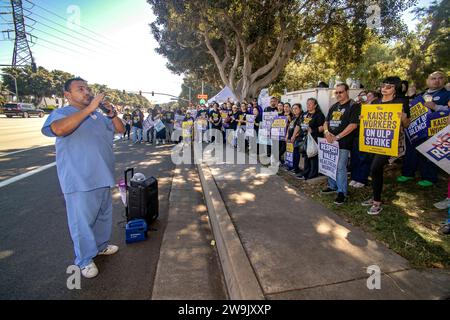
(24, 110)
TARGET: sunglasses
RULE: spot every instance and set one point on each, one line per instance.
(387, 86)
(339, 92)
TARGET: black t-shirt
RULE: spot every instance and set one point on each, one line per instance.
(127, 117)
(137, 120)
(313, 121)
(202, 113)
(258, 120)
(169, 116)
(215, 118)
(291, 128)
(242, 116)
(270, 109)
(339, 117)
(233, 122)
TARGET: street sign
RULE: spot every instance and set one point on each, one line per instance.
(202, 96)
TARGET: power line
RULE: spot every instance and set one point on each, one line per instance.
(67, 41)
(65, 27)
(62, 18)
(58, 45)
(62, 32)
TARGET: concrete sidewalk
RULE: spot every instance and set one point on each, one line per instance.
(298, 249)
(188, 266)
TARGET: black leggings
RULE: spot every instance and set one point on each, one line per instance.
(376, 172)
(127, 131)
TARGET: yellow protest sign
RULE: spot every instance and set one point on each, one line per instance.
(417, 110)
(279, 123)
(187, 126)
(380, 128)
(290, 147)
(436, 122)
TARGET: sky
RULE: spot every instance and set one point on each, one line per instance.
(115, 44)
(112, 44)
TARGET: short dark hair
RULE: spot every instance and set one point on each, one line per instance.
(343, 84)
(396, 81)
(68, 83)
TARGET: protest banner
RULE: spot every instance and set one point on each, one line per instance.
(250, 125)
(380, 128)
(278, 129)
(437, 121)
(193, 113)
(147, 124)
(328, 157)
(187, 130)
(178, 122)
(419, 114)
(159, 125)
(202, 124)
(289, 156)
(437, 149)
(266, 126)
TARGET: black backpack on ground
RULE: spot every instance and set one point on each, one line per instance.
(142, 198)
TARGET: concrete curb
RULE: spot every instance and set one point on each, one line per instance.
(240, 279)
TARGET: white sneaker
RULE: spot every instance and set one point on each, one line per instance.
(109, 250)
(352, 183)
(358, 185)
(90, 271)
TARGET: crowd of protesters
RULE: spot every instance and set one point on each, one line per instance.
(341, 124)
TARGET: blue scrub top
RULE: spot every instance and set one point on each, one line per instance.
(440, 98)
(84, 158)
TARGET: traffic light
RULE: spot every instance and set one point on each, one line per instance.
(153, 93)
(33, 67)
(123, 91)
(140, 92)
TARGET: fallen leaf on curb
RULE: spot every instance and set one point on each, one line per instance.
(213, 243)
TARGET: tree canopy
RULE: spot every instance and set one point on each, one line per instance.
(44, 83)
(413, 56)
(247, 44)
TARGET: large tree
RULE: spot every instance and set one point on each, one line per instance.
(248, 43)
(427, 48)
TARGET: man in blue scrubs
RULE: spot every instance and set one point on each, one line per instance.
(85, 165)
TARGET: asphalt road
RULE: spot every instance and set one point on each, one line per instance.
(35, 246)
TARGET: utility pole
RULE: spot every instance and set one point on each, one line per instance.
(190, 95)
(15, 83)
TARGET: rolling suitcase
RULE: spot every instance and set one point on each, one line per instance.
(142, 198)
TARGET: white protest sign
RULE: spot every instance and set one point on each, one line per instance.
(437, 149)
(328, 158)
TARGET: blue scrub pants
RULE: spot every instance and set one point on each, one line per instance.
(89, 217)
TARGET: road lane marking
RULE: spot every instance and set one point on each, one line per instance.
(26, 175)
(116, 138)
(10, 153)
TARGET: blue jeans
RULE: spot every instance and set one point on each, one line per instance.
(89, 216)
(137, 134)
(341, 183)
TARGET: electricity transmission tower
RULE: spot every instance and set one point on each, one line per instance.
(22, 55)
